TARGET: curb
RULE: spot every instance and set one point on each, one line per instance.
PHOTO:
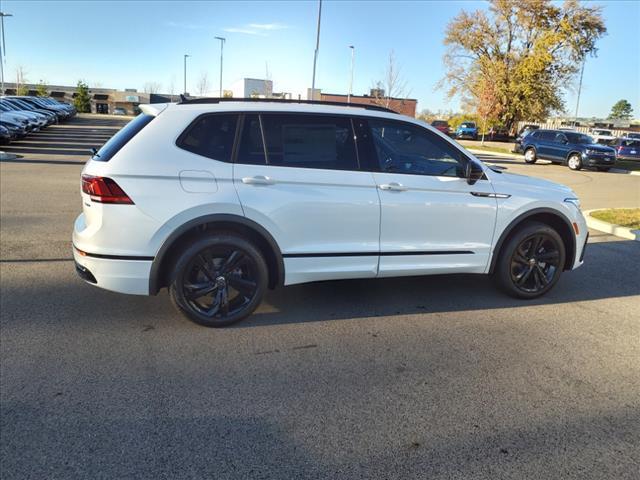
(497, 154)
(610, 228)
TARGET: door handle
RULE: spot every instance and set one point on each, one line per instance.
(393, 186)
(258, 180)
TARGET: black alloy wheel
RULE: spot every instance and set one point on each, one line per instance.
(531, 261)
(219, 280)
(534, 263)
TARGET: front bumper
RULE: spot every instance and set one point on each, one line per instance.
(598, 160)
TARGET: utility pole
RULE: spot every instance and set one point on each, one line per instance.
(222, 40)
(315, 55)
(3, 51)
(351, 78)
(185, 73)
(575, 118)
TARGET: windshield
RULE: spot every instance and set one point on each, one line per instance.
(579, 138)
(468, 125)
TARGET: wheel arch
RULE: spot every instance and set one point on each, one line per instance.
(160, 268)
(571, 152)
(554, 218)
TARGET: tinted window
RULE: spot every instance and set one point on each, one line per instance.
(547, 135)
(405, 148)
(251, 147)
(560, 138)
(120, 139)
(211, 136)
(630, 143)
(310, 141)
(579, 138)
(468, 125)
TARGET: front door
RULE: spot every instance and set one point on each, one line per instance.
(302, 183)
(432, 220)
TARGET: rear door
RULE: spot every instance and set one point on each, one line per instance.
(558, 147)
(298, 175)
(432, 220)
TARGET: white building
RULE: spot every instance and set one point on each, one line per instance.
(252, 87)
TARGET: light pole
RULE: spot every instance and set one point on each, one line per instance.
(3, 51)
(222, 40)
(351, 77)
(315, 55)
(185, 73)
(575, 118)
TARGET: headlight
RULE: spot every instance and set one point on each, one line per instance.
(573, 201)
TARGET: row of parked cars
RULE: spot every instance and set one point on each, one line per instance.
(577, 150)
(21, 115)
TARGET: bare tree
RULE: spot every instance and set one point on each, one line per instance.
(203, 83)
(392, 85)
(152, 87)
(21, 80)
(172, 86)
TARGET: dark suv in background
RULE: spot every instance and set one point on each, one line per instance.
(574, 149)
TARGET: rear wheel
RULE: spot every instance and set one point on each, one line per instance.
(218, 280)
(531, 262)
(530, 155)
(574, 162)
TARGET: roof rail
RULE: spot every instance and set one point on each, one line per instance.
(197, 101)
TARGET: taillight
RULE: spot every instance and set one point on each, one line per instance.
(104, 190)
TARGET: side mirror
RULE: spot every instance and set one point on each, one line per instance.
(473, 172)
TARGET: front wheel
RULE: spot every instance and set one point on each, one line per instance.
(530, 155)
(574, 162)
(531, 261)
(218, 280)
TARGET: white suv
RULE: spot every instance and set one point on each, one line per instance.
(220, 200)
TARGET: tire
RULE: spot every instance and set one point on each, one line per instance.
(218, 280)
(522, 271)
(574, 162)
(603, 169)
(530, 155)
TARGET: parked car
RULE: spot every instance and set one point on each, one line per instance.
(442, 126)
(627, 148)
(21, 105)
(467, 130)
(576, 150)
(17, 130)
(119, 111)
(222, 199)
(5, 135)
(37, 120)
(18, 119)
(37, 102)
(600, 135)
(498, 134)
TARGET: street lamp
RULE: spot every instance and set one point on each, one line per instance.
(222, 40)
(3, 51)
(315, 55)
(185, 73)
(351, 78)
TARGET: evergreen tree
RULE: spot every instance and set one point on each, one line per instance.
(82, 100)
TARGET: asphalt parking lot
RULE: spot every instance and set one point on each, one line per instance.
(426, 377)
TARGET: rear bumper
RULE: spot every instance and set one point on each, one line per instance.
(116, 274)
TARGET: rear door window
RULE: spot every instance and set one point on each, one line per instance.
(120, 139)
(211, 136)
(309, 141)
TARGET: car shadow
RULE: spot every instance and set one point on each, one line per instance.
(607, 273)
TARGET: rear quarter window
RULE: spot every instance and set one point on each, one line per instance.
(211, 136)
(120, 139)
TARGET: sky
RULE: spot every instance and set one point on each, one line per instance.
(120, 44)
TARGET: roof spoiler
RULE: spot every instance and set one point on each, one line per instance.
(154, 109)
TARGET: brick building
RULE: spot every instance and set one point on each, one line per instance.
(405, 106)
